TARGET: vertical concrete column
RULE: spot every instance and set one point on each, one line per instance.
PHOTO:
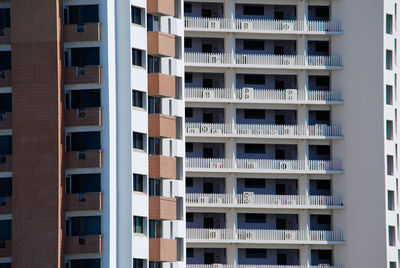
(229, 9)
(229, 43)
(305, 255)
(302, 9)
(231, 254)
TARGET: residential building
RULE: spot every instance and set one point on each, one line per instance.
(91, 134)
(291, 133)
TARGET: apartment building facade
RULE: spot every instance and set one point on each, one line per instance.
(291, 133)
(91, 133)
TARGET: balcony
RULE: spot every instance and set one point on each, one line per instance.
(262, 61)
(225, 165)
(262, 26)
(82, 75)
(270, 96)
(162, 44)
(82, 32)
(263, 131)
(83, 117)
(5, 78)
(161, 249)
(5, 163)
(263, 236)
(251, 200)
(5, 249)
(5, 120)
(85, 159)
(164, 7)
(162, 208)
(161, 85)
(5, 205)
(162, 126)
(5, 36)
(84, 201)
(90, 244)
(162, 167)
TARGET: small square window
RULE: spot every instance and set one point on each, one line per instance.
(137, 57)
(137, 98)
(136, 14)
(138, 225)
(139, 263)
(138, 140)
(138, 182)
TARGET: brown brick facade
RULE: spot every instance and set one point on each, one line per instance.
(162, 208)
(159, 43)
(84, 75)
(86, 117)
(5, 205)
(161, 85)
(161, 249)
(161, 125)
(37, 90)
(162, 167)
(87, 159)
(79, 33)
(5, 78)
(166, 7)
(6, 250)
(90, 244)
(81, 202)
(6, 38)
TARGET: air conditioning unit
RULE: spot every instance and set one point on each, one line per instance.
(216, 131)
(288, 236)
(291, 202)
(193, 130)
(81, 197)
(215, 59)
(208, 94)
(248, 197)
(291, 94)
(324, 266)
(247, 93)
(81, 113)
(246, 25)
(288, 131)
(205, 128)
(217, 265)
(287, 61)
(283, 165)
(248, 235)
(276, 201)
(80, 71)
(213, 234)
(287, 26)
(258, 132)
(3, 75)
(80, 28)
(251, 165)
(203, 200)
(214, 24)
(273, 132)
(3, 116)
(215, 165)
(81, 155)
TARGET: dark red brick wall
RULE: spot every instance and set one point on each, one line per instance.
(37, 133)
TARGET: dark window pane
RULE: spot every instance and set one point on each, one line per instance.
(5, 265)
(138, 182)
(137, 57)
(138, 140)
(82, 226)
(189, 182)
(4, 18)
(255, 218)
(84, 141)
(256, 253)
(254, 183)
(154, 187)
(83, 14)
(254, 149)
(188, 8)
(138, 225)
(323, 150)
(88, 263)
(255, 10)
(81, 99)
(253, 79)
(5, 60)
(188, 112)
(189, 147)
(5, 187)
(322, 81)
(5, 102)
(188, 77)
(254, 114)
(5, 145)
(85, 56)
(188, 43)
(5, 230)
(253, 44)
(138, 263)
(137, 98)
(85, 183)
(136, 15)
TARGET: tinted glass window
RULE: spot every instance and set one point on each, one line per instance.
(5, 102)
(82, 226)
(85, 56)
(254, 114)
(81, 99)
(5, 60)
(138, 182)
(137, 57)
(255, 218)
(84, 141)
(5, 230)
(138, 140)
(137, 99)
(88, 263)
(136, 15)
(84, 183)
(83, 14)
(254, 183)
(254, 149)
(253, 10)
(254, 79)
(5, 145)
(256, 253)
(4, 18)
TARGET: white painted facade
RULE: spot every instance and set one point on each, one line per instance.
(313, 159)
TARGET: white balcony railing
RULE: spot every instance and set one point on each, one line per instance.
(265, 95)
(218, 265)
(265, 236)
(249, 199)
(252, 25)
(262, 60)
(262, 165)
(300, 131)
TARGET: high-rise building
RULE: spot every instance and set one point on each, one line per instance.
(91, 134)
(291, 133)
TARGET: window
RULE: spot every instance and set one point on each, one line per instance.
(389, 24)
(82, 141)
(153, 23)
(189, 112)
(323, 150)
(138, 183)
(155, 229)
(154, 105)
(87, 263)
(5, 230)
(85, 56)
(138, 141)
(323, 184)
(389, 95)
(253, 10)
(5, 187)
(322, 12)
(154, 264)
(389, 59)
(389, 130)
(254, 114)
(256, 253)
(83, 226)
(254, 183)
(8, 265)
(4, 18)
(254, 79)
(324, 254)
(155, 187)
(255, 218)
(189, 147)
(188, 42)
(139, 263)
(322, 115)
(137, 57)
(322, 81)
(390, 200)
(138, 225)
(81, 183)
(189, 182)
(5, 60)
(253, 44)
(322, 47)
(137, 98)
(189, 253)
(254, 149)
(188, 8)
(189, 217)
(189, 78)
(154, 146)
(136, 14)
(324, 219)
(81, 99)
(389, 168)
(82, 14)
(154, 64)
